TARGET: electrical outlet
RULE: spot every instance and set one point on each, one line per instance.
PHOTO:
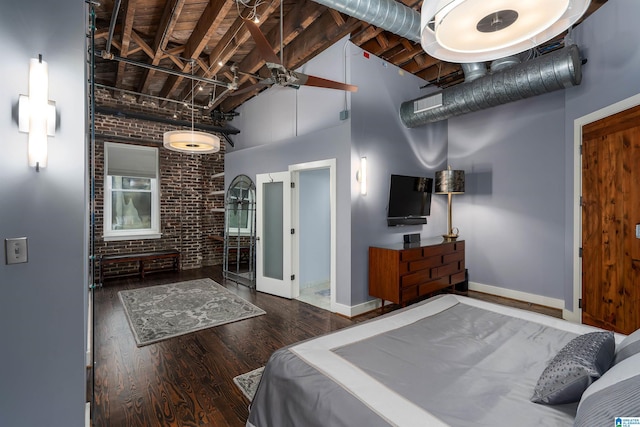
(15, 250)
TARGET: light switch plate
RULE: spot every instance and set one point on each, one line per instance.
(15, 250)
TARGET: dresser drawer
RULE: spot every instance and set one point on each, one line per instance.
(404, 273)
(415, 278)
(425, 263)
(458, 278)
(446, 270)
(407, 294)
(429, 251)
(455, 256)
(410, 254)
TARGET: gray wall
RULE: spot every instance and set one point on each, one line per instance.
(610, 37)
(517, 213)
(512, 213)
(332, 143)
(374, 130)
(42, 307)
(390, 148)
(314, 227)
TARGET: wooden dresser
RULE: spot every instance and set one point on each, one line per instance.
(404, 272)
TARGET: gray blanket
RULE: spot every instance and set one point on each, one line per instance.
(451, 361)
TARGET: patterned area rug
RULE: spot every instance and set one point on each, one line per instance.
(248, 383)
(165, 311)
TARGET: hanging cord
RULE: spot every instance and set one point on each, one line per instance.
(193, 63)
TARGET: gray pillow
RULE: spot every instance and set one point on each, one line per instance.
(628, 347)
(582, 361)
(615, 394)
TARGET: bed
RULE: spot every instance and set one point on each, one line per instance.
(448, 361)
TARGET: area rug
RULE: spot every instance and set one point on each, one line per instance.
(165, 311)
(248, 383)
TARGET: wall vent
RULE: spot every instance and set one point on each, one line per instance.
(427, 103)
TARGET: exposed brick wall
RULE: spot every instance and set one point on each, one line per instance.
(187, 217)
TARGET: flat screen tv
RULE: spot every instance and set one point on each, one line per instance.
(409, 200)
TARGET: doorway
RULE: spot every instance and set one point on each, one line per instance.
(606, 279)
(312, 240)
(314, 237)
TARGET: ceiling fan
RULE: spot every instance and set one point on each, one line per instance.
(279, 74)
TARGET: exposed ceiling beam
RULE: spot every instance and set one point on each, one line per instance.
(321, 32)
(214, 13)
(236, 36)
(168, 21)
(295, 22)
(125, 38)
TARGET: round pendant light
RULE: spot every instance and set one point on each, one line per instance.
(191, 141)
(478, 30)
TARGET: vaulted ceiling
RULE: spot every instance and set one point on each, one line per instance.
(149, 49)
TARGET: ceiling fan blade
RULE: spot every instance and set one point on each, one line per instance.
(252, 87)
(265, 49)
(320, 82)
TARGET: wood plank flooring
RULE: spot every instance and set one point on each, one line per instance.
(187, 381)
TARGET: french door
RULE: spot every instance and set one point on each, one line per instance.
(273, 234)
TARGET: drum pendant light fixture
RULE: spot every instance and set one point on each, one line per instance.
(191, 141)
(478, 30)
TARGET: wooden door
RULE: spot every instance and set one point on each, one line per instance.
(610, 213)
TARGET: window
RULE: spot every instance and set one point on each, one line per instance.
(131, 193)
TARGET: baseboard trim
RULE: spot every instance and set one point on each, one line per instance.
(356, 310)
(572, 316)
(517, 295)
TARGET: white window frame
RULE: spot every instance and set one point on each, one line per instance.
(148, 233)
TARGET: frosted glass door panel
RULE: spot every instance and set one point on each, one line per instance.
(272, 245)
(273, 234)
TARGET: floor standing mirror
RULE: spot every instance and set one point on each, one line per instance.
(240, 232)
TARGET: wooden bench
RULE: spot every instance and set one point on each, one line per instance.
(141, 258)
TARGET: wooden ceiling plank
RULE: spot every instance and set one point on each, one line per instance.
(135, 50)
(101, 34)
(129, 7)
(296, 21)
(176, 60)
(172, 52)
(211, 18)
(337, 17)
(433, 73)
(382, 40)
(236, 36)
(365, 35)
(145, 47)
(167, 23)
(310, 43)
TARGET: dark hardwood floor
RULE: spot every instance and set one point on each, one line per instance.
(188, 380)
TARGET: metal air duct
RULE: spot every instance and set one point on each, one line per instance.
(389, 15)
(557, 70)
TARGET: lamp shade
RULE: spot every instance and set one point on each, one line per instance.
(479, 30)
(188, 141)
(450, 181)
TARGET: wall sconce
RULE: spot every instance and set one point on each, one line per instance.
(450, 182)
(361, 176)
(36, 114)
